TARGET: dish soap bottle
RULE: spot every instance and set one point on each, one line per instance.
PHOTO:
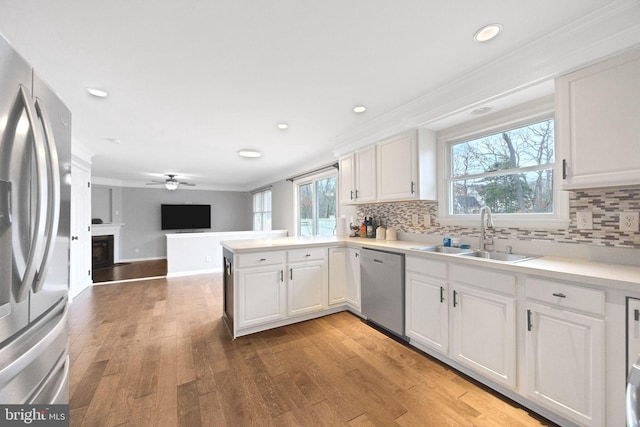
(363, 228)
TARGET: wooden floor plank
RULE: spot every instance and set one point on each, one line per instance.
(156, 352)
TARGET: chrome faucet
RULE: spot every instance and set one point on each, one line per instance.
(484, 225)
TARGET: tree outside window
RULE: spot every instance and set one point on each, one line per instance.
(510, 171)
(317, 207)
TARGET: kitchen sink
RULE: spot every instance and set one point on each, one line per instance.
(444, 250)
(499, 256)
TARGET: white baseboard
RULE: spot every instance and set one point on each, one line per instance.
(141, 259)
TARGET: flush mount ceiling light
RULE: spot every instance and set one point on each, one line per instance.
(283, 126)
(487, 32)
(97, 92)
(359, 109)
(248, 153)
(481, 110)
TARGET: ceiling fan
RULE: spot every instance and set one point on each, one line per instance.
(171, 183)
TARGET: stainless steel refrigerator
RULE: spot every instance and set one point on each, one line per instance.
(35, 160)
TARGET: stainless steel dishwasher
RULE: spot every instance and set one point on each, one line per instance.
(382, 281)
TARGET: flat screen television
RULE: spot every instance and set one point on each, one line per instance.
(185, 217)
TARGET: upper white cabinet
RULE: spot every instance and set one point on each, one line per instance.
(358, 177)
(406, 167)
(597, 126)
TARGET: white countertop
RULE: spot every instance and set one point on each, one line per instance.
(575, 270)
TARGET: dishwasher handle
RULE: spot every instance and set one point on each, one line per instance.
(379, 261)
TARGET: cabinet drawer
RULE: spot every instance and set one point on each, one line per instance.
(298, 255)
(565, 295)
(487, 279)
(426, 267)
(257, 259)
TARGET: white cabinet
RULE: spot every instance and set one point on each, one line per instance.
(406, 167)
(427, 312)
(337, 275)
(357, 175)
(484, 326)
(307, 286)
(565, 349)
(353, 279)
(633, 331)
(597, 126)
(261, 294)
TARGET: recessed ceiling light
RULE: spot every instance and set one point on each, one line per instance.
(359, 109)
(487, 32)
(482, 110)
(252, 154)
(283, 126)
(97, 92)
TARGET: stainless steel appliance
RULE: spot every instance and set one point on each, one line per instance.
(35, 158)
(227, 279)
(382, 294)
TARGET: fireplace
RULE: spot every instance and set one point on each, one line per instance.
(101, 251)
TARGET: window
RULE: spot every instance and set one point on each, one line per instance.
(506, 162)
(316, 205)
(262, 210)
(510, 171)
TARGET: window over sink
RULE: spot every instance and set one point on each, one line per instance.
(506, 162)
(316, 204)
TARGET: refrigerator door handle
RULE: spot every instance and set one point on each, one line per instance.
(53, 198)
(36, 250)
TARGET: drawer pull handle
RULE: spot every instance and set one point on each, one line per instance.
(529, 326)
(262, 259)
(559, 295)
(441, 294)
(455, 298)
(308, 255)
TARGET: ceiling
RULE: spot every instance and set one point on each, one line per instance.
(192, 82)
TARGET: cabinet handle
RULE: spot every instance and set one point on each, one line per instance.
(356, 194)
(307, 255)
(455, 298)
(564, 168)
(529, 326)
(559, 295)
(441, 294)
(282, 275)
(636, 315)
(357, 254)
(412, 187)
(351, 194)
(291, 273)
(262, 259)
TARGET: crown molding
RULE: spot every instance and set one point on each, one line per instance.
(605, 32)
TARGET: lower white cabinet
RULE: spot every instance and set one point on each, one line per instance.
(565, 350)
(353, 278)
(261, 295)
(344, 277)
(484, 323)
(307, 287)
(427, 309)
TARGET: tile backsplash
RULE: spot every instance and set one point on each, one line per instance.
(605, 205)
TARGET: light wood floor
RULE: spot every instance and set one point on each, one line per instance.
(155, 353)
(131, 270)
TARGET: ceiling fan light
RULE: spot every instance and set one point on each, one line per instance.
(171, 185)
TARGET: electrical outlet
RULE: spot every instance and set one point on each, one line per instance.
(585, 220)
(629, 221)
(414, 220)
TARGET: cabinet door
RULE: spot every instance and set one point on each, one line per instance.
(597, 123)
(484, 333)
(397, 160)
(346, 177)
(565, 363)
(366, 175)
(427, 317)
(337, 275)
(633, 331)
(261, 295)
(353, 278)
(307, 287)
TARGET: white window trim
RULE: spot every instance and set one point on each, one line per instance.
(262, 212)
(309, 179)
(511, 118)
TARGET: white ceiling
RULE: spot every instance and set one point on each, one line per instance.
(192, 82)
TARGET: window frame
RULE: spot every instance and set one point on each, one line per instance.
(261, 211)
(311, 179)
(509, 119)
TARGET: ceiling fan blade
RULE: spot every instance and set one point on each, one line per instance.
(155, 183)
(188, 183)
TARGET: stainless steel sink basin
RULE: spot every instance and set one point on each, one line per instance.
(499, 256)
(443, 250)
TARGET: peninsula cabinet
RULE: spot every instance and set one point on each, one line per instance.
(597, 126)
(307, 282)
(357, 176)
(427, 316)
(565, 349)
(261, 288)
(344, 277)
(484, 322)
(406, 167)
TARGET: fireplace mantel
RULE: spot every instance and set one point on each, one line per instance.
(108, 230)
